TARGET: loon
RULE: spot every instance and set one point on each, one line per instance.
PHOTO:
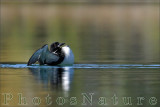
(59, 54)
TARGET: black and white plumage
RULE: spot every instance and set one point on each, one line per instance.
(59, 54)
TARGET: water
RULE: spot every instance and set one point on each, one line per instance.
(98, 66)
(116, 48)
(104, 80)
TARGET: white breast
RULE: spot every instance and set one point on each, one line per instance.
(69, 57)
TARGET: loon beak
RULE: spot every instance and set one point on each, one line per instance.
(61, 44)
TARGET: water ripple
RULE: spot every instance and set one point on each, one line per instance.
(109, 66)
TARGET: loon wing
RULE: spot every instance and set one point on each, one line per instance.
(51, 58)
(35, 57)
(47, 57)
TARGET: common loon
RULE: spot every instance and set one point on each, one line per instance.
(59, 54)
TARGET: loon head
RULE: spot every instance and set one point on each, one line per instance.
(56, 47)
(64, 52)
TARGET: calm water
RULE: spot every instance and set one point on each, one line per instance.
(116, 51)
(104, 80)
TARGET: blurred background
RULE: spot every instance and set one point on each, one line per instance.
(98, 31)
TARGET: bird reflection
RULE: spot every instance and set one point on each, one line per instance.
(54, 77)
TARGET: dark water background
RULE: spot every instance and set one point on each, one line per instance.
(125, 35)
